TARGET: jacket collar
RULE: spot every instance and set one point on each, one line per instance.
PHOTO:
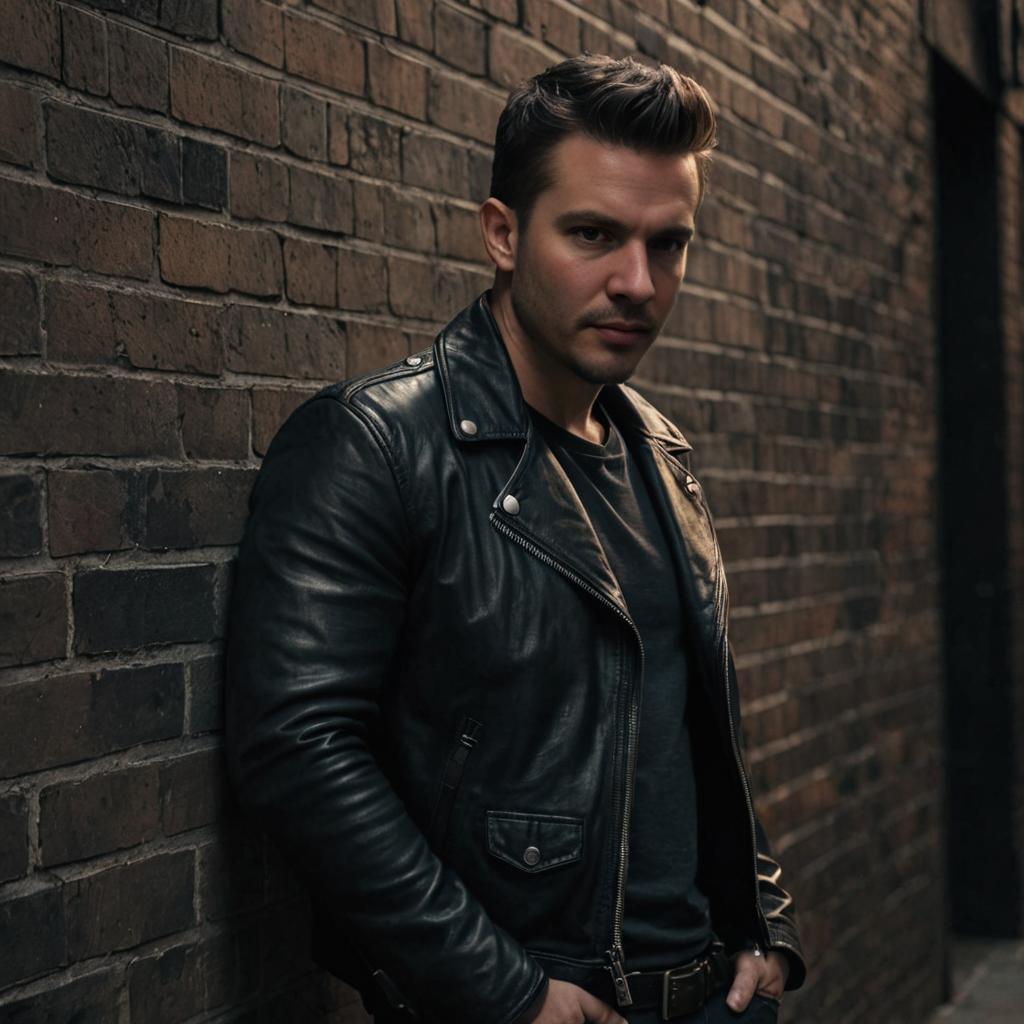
(481, 390)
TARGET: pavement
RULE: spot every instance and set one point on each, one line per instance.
(988, 982)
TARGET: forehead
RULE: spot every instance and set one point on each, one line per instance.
(627, 184)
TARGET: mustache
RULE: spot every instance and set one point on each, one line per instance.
(628, 314)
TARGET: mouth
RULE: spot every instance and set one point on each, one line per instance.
(623, 332)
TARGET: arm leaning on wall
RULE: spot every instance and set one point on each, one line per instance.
(319, 601)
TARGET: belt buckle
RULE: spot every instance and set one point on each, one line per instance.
(684, 989)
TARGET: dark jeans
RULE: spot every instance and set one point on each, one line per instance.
(761, 1010)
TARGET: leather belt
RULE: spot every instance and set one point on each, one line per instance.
(682, 990)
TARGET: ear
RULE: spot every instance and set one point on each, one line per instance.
(500, 233)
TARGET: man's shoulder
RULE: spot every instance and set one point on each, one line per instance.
(388, 394)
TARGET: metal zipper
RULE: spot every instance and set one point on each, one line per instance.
(616, 955)
(469, 732)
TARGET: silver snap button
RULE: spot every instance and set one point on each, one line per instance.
(468, 427)
(692, 487)
(511, 506)
(531, 855)
(413, 360)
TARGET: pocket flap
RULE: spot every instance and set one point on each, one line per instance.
(534, 842)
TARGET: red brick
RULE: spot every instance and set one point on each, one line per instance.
(320, 200)
(337, 135)
(60, 227)
(397, 82)
(369, 210)
(19, 125)
(304, 124)
(33, 618)
(270, 408)
(107, 812)
(31, 36)
(254, 27)
(461, 39)
(31, 935)
(85, 50)
(168, 987)
(119, 609)
(374, 146)
(362, 281)
(513, 58)
(323, 53)
(372, 346)
(214, 422)
(429, 291)
(458, 232)
(21, 531)
(19, 314)
(193, 790)
(415, 23)
(505, 10)
(91, 998)
(193, 19)
(434, 163)
(13, 837)
(281, 344)
(194, 508)
(258, 187)
(62, 719)
(376, 14)
(216, 95)
(89, 510)
(130, 904)
(557, 26)
(463, 108)
(204, 254)
(408, 221)
(112, 153)
(46, 415)
(310, 271)
(138, 71)
(87, 324)
(204, 174)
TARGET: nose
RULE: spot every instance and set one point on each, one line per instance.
(631, 276)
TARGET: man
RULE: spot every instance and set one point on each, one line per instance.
(480, 687)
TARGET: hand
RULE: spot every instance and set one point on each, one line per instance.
(566, 1003)
(765, 974)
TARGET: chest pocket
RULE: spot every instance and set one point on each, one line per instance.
(534, 842)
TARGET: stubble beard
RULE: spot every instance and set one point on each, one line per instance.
(532, 322)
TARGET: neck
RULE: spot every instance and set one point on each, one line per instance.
(549, 386)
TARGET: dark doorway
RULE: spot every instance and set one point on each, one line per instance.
(982, 859)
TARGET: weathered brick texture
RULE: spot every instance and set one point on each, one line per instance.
(211, 208)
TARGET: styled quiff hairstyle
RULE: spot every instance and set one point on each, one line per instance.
(619, 101)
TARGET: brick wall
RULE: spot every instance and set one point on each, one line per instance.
(210, 209)
(1010, 142)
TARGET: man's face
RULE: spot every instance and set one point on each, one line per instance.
(598, 266)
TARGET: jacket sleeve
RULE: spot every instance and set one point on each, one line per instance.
(317, 612)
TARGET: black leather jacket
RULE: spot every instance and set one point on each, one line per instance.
(432, 672)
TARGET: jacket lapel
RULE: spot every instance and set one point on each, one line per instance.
(485, 404)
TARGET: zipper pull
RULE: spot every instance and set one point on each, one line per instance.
(622, 993)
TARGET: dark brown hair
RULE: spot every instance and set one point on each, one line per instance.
(619, 101)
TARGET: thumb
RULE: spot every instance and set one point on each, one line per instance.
(743, 985)
(597, 1011)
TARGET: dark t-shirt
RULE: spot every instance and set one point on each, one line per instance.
(666, 919)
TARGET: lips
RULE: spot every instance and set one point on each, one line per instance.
(622, 332)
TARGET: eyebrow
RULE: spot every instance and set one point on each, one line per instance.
(602, 220)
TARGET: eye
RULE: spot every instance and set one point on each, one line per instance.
(669, 245)
(588, 233)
